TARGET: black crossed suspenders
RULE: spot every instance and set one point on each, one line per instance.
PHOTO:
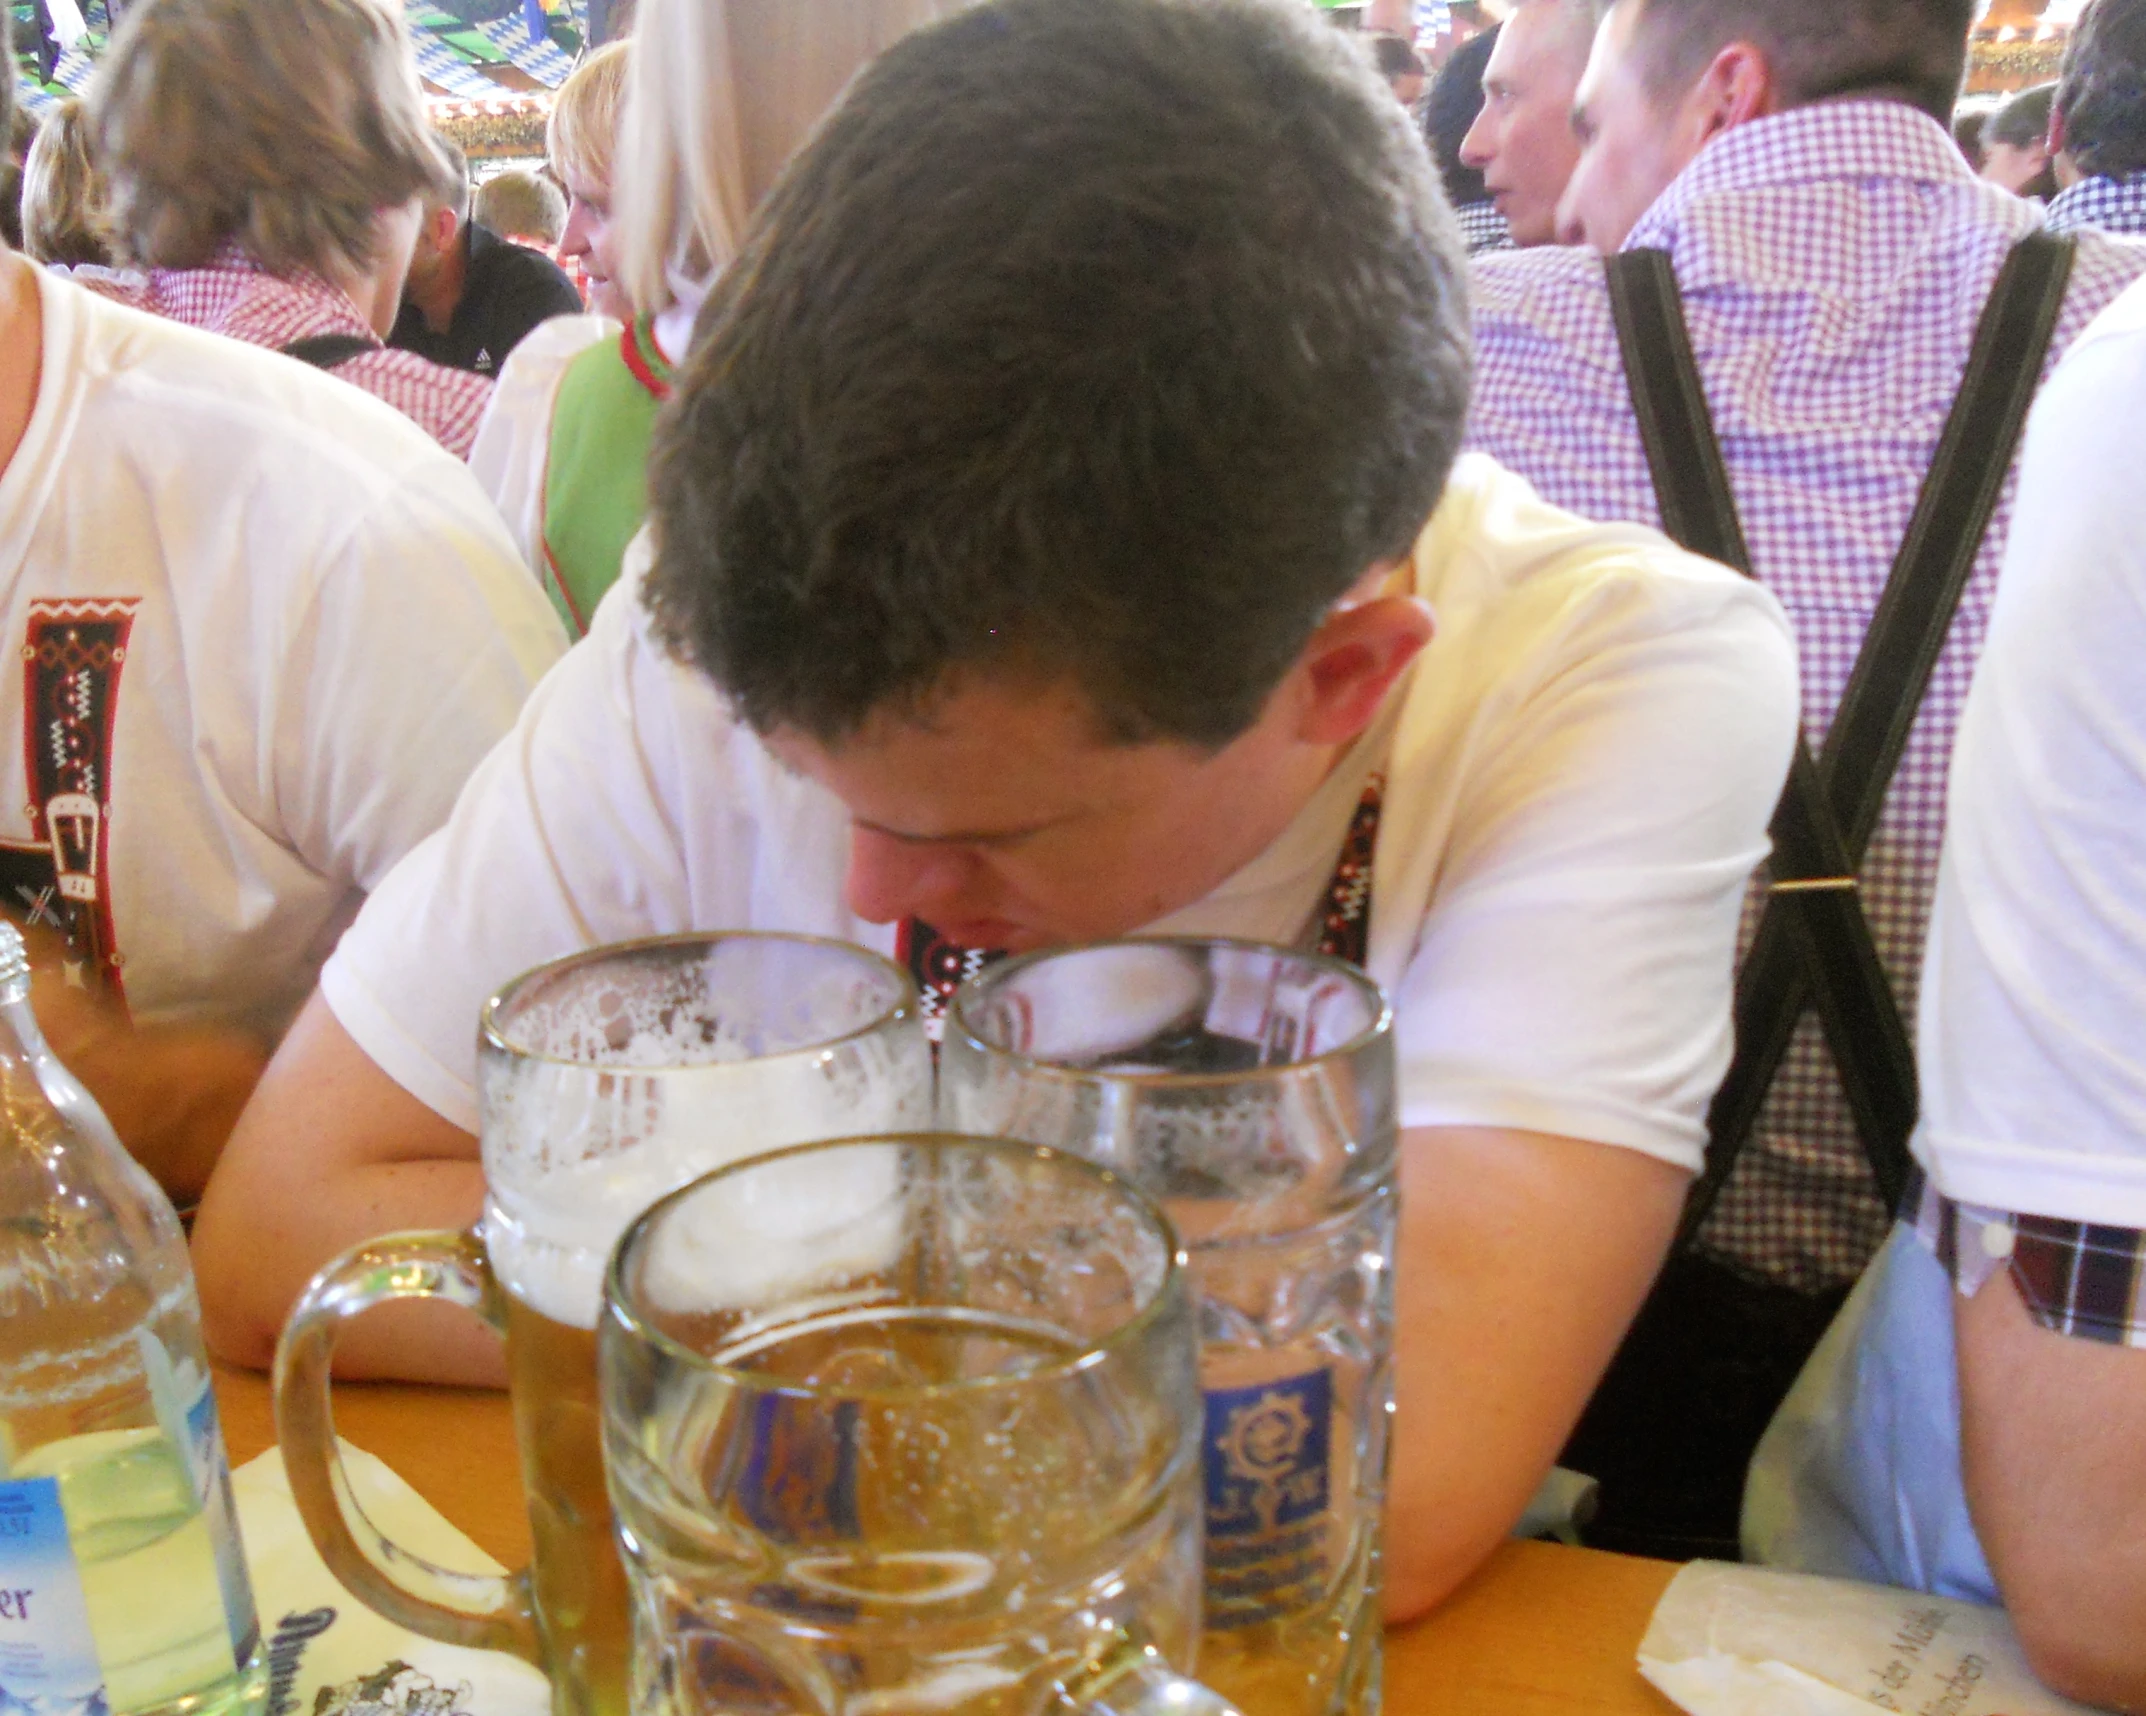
(1814, 946)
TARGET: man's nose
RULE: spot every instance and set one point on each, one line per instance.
(1571, 228)
(1476, 148)
(891, 879)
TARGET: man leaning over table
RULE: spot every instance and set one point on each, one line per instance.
(1975, 1423)
(1058, 536)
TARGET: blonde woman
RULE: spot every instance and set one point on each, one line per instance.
(62, 196)
(268, 166)
(579, 143)
(721, 93)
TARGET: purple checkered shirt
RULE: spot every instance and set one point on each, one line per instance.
(2104, 203)
(237, 297)
(1834, 262)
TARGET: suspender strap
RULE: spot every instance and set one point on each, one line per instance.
(1814, 943)
(325, 351)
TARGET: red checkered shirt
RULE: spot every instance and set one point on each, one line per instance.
(237, 297)
(1834, 262)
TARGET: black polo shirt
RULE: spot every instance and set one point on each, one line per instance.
(507, 289)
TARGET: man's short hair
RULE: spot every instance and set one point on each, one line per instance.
(1909, 50)
(2023, 121)
(281, 128)
(516, 204)
(1450, 112)
(1101, 341)
(454, 164)
(1394, 58)
(2102, 90)
(581, 137)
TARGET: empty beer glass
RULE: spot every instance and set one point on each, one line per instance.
(905, 1425)
(1250, 1091)
(606, 1080)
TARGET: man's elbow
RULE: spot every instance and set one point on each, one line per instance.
(231, 1323)
(1421, 1574)
(2074, 1650)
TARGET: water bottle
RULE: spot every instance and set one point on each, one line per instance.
(123, 1587)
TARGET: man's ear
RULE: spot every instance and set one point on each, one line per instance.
(2061, 162)
(1736, 88)
(440, 226)
(1353, 661)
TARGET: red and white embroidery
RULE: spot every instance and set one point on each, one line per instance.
(72, 654)
(940, 967)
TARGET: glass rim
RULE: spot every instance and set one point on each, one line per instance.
(492, 1035)
(957, 1014)
(618, 1305)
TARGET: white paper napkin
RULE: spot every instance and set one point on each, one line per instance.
(1743, 1641)
(320, 1639)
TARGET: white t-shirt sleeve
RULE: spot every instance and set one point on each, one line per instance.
(564, 839)
(421, 640)
(513, 445)
(1574, 970)
(2033, 1015)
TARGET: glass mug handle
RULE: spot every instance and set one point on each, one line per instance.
(479, 1610)
(1134, 1680)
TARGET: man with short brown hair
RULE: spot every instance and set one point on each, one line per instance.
(264, 628)
(268, 166)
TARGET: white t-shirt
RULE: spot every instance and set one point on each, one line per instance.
(1580, 770)
(513, 445)
(268, 628)
(2033, 1016)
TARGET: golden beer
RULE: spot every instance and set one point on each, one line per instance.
(605, 1080)
(952, 1470)
(582, 1606)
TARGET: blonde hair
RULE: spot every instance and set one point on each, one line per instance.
(280, 126)
(515, 204)
(62, 197)
(722, 94)
(581, 137)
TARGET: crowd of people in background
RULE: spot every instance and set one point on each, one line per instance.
(888, 470)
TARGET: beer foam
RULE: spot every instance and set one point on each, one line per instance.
(800, 1225)
(572, 1158)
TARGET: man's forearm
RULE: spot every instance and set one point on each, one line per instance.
(330, 1152)
(1522, 1261)
(2053, 1457)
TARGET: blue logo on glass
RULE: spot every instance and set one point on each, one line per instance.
(1266, 1455)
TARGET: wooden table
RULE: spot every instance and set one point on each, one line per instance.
(1541, 1631)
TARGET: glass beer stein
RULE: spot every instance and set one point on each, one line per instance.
(906, 1425)
(606, 1080)
(1250, 1092)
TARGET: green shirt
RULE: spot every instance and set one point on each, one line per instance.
(596, 470)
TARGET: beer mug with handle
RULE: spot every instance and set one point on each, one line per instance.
(1250, 1091)
(606, 1080)
(906, 1424)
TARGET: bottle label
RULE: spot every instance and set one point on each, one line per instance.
(48, 1661)
(1266, 1458)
